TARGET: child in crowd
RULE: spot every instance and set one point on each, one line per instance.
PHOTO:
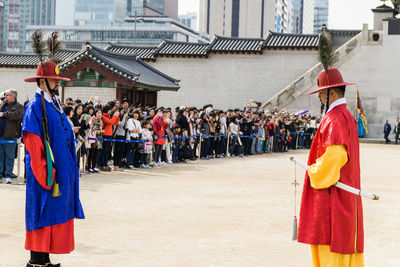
(148, 146)
(260, 137)
(254, 137)
(176, 154)
(187, 152)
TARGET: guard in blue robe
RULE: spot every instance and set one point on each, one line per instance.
(52, 198)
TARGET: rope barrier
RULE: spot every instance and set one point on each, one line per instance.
(165, 137)
(8, 141)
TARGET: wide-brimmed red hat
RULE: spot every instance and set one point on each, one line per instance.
(329, 79)
(47, 70)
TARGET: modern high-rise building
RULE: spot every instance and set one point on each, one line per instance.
(1, 21)
(321, 14)
(168, 8)
(303, 17)
(150, 31)
(245, 18)
(283, 16)
(189, 20)
(19, 13)
(100, 12)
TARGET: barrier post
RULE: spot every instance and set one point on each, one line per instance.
(19, 182)
(200, 141)
(227, 144)
(18, 160)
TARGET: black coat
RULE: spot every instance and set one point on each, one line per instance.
(13, 116)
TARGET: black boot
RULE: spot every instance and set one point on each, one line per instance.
(35, 265)
(37, 259)
(48, 262)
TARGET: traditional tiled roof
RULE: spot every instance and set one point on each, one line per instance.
(170, 48)
(186, 49)
(128, 67)
(29, 60)
(229, 44)
(145, 53)
(350, 33)
(291, 41)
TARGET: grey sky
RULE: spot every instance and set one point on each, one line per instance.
(343, 14)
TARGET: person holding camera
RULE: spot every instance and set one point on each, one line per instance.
(108, 123)
(134, 130)
(11, 114)
(236, 140)
(120, 134)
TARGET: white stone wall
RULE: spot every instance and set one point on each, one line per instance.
(84, 93)
(230, 80)
(13, 78)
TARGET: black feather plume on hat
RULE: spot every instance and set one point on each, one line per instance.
(38, 45)
(54, 46)
(326, 51)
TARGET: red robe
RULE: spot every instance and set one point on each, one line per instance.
(333, 216)
(55, 239)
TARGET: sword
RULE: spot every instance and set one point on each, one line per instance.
(340, 185)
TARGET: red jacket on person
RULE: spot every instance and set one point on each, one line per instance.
(159, 127)
(333, 216)
(109, 123)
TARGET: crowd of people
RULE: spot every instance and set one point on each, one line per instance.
(118, 135)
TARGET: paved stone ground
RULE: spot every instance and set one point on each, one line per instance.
(228, 212)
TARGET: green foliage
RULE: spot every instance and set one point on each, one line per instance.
(326, 50)
(38, 44)
(396, 5)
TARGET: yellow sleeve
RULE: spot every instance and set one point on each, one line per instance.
(326, 171)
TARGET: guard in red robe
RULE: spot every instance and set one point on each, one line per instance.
(331, 219)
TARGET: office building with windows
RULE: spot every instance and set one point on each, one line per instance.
(100, 12)
(303, 17)
(189, 20)
(321, 14)
(18, 14)
(168, 8)
(150, 31)
(245, 18)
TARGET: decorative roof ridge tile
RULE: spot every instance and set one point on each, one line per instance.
(110, 53)
(292, 34)
(112, 45)
(237, 38)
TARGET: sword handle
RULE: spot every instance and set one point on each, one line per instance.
(339, 184)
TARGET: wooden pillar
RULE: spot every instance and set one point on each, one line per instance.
(119, 93)
(62, 94)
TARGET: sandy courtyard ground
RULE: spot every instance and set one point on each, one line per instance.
(228, 212)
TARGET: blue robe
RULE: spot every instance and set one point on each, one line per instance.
(42, 209)
(360, 127)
